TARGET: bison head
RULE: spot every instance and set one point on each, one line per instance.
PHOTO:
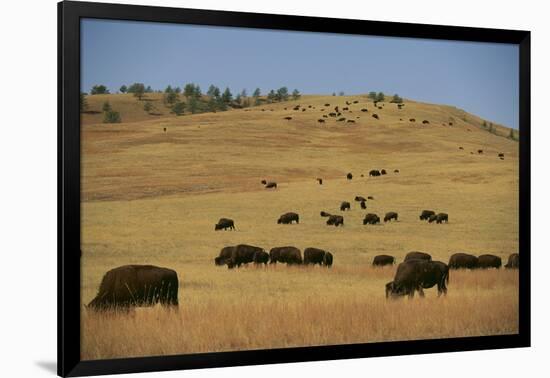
(217, 227)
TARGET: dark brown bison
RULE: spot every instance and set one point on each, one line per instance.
(345, 206)
(480, 151)
(355, 101)
(304, 109)
(364, 110)
(374, 173)
(426, 214)
(416, 275)
(375, 116)
(224, 256)
(242, 254)
(332, 114)
(425, 122)
(261, 257)
(501, 155)
(263, 182)
(346, 108)
(396, 171)
(224, 224)
(416, 255)
(325, 214)
(136, 285)
(336, 109)
(371, 219)
(383, 172)
(382, 260)
(325, 116)
(450, 123)
(317, 256)
(439, 218)
(412, 120)
(389, 216)
(271, 185)
(327, 104)
(287, 255)
(350, 121)
(320, 181)
(363, 204)
(460, 148)
(288, 118)
(341, 119)
(489, 261)
(320, 120)
(335, 220)
(359, 199)
(513, 261)
(462, 261)
(370, 197)
(288, 218)
(349, 176)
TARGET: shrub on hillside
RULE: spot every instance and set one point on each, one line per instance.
(111, 117)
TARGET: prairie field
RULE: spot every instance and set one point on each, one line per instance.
(151, 196)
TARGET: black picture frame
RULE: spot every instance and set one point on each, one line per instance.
(69, 15)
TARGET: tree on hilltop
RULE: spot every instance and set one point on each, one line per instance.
(99, 89)
(296, 94)
(123, 89)
(380, 97)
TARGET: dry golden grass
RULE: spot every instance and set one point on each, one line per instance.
(150, 197)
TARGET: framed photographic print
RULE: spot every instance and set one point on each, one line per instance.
(239, 188)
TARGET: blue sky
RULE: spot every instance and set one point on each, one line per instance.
(481, 78)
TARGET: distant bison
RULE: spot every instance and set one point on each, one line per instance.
(345, 206)
(363, 205)
(382, 260)
(371, 219)
(349, 176)
(463, 261)
(412, 120)
(332, 114)
(374, 173)
(396, 171)
(271, 185)
(460, 148)
(288, 255)
(350, 121)
(263, 182)
(224, 256)
(415, 255)
(416, 275)
(288, 218)
(335, 220)
(370, 197)
(389, 216)
(426, 214)
(489, 261)
(513, 261)
(224, 223)
(320, 120)
(288, 118)
(480, 151)
(317, 256)
(439, 218)
(375, 116)
(341, 119)
(327, 104)
(359, 199)
(383, 172)
(242, 254)
(364, 110)
(136, 285)
(425, 122)
(325, 214)
(320, 181)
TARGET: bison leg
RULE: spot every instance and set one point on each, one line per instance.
(421, 292)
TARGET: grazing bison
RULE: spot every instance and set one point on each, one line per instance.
(396, 171)
(335, 220)
(320, 120)
(415, 255)
(341, 119)
(439, 218)
(383, 172)
(425, 122)
(501, 155)
(320, 180)
(287, 255)
(325, 214)
(460, 148)
(374, 173)
(261, 257)
(325, 116)
(336, 109)
(332, 114)
(480, 151)
(360, 199)
(350, 121)
(489, 261)
(363, 204)
(242, 254)
(165, 129)
(345, 206)
(355, 101)
(346, 108)
(288, 118)
(271, 185)
(136, 285)
(224, 256)
(349, 176)
(224, 223)
(416, 275)
(288, 218)
(426, 214)
(450, 123)
(317, 256)
(389, 216)
(375, 116)
(412, 120)
(463, 261)
(513, 261)
(364, 110)
(382, 260)
(371, 219)
(327, 104)
(370, 197)
(263, 182)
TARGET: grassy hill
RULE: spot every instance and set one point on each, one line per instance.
(152, 197)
